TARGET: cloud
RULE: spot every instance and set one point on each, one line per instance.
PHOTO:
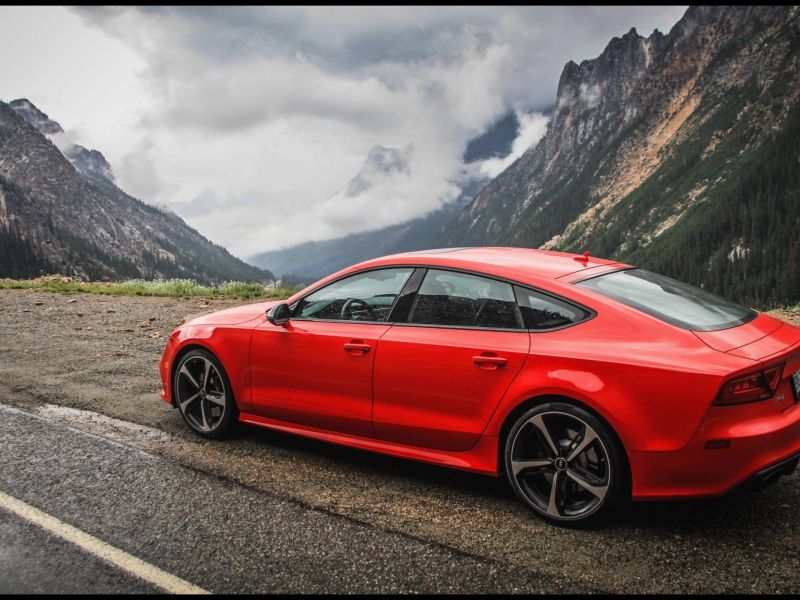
(245, 96)
(139, 171)
(250, 120)
(532, 128)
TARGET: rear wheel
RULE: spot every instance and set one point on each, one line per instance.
(203, 394)
(565, 463)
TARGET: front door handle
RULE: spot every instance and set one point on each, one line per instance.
(357, 348)
(489, 361)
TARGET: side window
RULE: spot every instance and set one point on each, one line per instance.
(540, 311)
(367, 296)
(459, 299)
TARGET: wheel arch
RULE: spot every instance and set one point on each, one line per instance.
(533, 401)
(183, 351)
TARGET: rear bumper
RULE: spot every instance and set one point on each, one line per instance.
(771, 474)
(761, 448)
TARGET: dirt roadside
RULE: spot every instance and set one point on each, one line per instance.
(59, 353)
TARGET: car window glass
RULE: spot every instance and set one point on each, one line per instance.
(367, 296)
(675, 302)
(460, 299)
(540, 311)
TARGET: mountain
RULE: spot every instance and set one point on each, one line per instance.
(61, 212)
(309, 261)
(89, 163)
(675, 152)
(381, 164)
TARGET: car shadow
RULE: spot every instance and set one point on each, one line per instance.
(720, 516)
(741, 510)
(373, 463)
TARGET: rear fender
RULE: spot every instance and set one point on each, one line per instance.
(650, 409)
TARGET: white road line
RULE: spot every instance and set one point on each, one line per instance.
(119, 558)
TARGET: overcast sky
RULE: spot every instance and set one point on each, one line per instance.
(259, 115)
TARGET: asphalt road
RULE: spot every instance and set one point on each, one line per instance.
(314, 510)
(216, 534)
(33, 561)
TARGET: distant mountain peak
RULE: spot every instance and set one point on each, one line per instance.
(35, 117)
(381, 163)
(90, 163)
(388, 159)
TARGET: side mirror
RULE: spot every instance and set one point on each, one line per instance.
(279, 314)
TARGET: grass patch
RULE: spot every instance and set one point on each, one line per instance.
(173, 288)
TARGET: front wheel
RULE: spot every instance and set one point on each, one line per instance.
(203, 394)
(565, 463)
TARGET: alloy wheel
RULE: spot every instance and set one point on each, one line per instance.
(200, 394)
(560, 466)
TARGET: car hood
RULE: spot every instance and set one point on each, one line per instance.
(233, 316)
(755, 340)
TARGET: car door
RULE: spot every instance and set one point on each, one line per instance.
(440, 375)
(317, 370)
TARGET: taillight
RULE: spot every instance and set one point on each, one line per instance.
(750, 388)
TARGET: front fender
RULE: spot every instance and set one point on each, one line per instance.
(231, 346)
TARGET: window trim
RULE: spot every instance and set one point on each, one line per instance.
(595, 275)
(409, 290)
(590, 312)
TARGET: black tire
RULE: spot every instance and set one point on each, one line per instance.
(204, 398)
(591, 479)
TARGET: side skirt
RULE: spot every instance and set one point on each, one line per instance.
(481, 458)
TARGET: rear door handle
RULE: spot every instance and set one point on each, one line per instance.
(357, 348)
(485, 361)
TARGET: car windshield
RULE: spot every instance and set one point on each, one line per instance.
(672, 301)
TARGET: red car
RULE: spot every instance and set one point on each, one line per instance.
(584, 381)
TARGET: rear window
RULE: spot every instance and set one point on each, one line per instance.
(541, 312)
(677, 303)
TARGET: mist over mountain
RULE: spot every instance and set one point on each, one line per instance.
(311, 260)
(381, 164)
(61, 212)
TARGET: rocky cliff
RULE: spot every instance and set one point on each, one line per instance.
(61, 212)
(672, 151)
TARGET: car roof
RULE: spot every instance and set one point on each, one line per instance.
(522, 264)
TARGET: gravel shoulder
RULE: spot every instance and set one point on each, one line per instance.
(91, 362)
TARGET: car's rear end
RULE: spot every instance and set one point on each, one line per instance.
(750, 433)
